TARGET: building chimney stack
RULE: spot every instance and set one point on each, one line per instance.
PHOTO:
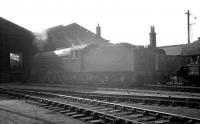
(152, 37)
(98, 31)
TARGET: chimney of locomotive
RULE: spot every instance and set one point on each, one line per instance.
(98, 31)
(152, 37)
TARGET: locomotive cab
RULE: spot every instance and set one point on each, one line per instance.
(189, 75)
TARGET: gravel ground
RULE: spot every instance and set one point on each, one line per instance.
(19, 112)
(8, 117)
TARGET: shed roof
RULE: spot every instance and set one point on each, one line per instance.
(173, 49)
(10, 28)
(15, 37)
(192, 49)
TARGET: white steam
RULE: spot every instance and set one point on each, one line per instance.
(68, 51)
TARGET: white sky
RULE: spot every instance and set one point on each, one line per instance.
(120, 20)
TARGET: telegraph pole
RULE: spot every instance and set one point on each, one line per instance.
(188, 25)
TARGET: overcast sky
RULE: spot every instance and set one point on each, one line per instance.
(120, 20)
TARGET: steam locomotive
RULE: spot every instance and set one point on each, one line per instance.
(109, 65)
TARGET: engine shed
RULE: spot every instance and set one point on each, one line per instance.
(16, 50)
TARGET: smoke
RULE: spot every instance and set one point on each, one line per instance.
(40, 39)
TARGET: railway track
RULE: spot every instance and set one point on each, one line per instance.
(149, 100)
(98, 112)
(145, 100)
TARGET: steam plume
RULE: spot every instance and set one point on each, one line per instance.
(67, 51)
